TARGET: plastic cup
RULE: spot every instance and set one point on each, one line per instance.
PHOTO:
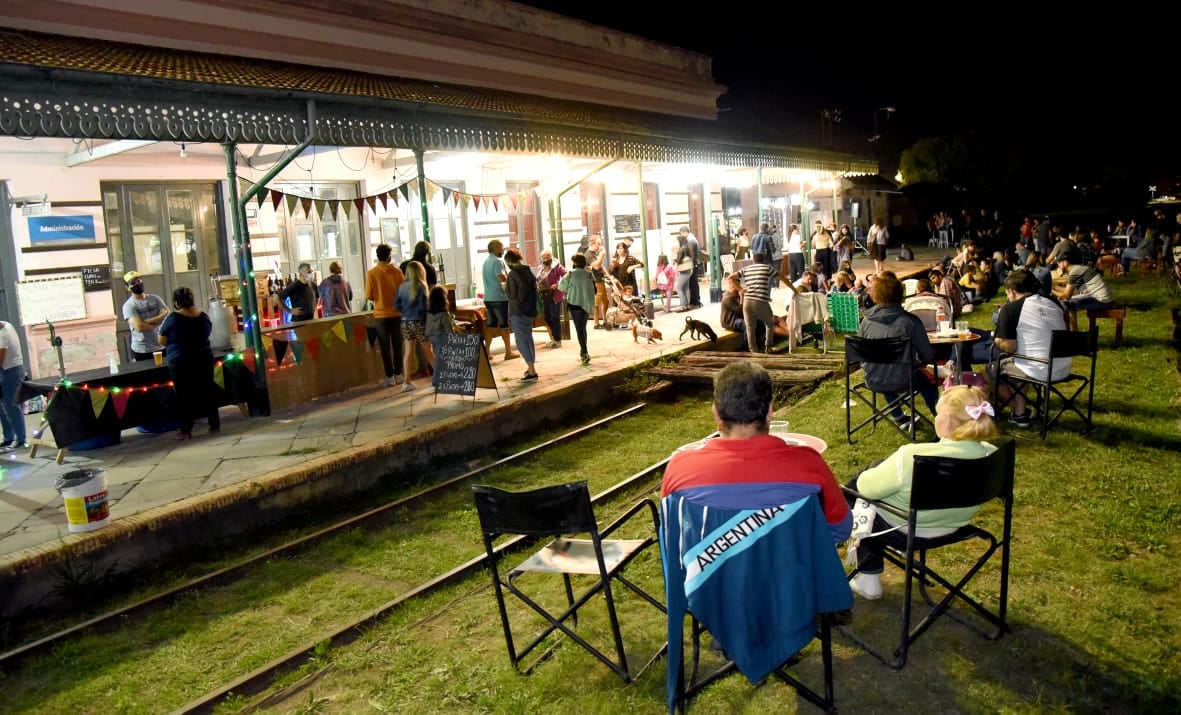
(961, 327)
(780, 428)
(944, 327)
(158, 356)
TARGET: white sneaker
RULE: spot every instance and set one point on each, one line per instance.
(399, 378)
(408, 387)
(388, 382)
(867, 585)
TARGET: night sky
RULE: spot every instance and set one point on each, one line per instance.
(1082, 96)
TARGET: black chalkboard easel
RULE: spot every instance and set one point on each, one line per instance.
(462, 365)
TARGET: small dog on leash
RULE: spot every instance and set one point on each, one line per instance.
(648, 332)
(697, 330)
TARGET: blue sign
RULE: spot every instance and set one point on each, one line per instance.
(51, 229)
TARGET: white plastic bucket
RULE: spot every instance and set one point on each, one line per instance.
(84, 492)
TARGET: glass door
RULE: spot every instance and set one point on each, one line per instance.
(171, 235)
(321, 236)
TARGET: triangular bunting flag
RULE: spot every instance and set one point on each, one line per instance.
(404, 189)
(98, 400)
(297, 352)
(276, 199)
(432, 190)
(455, 197)
(120, 399)
(260, 197)
(358, 333)
(305, 203)
(496, 204)
(248, 359)
(391, 199)
(267, 341)
(292, 202)
(372, 201)
(476, 202)
(446, 194)
(319, 204)
(219, 375)
(360, 204)
(511, 204)
(334, 209)
(338, 331)
(280, 351)
(314, 348)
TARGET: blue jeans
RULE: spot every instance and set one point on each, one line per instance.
(523, 332)
(11, 417)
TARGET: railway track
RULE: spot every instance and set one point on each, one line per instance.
(263, 676)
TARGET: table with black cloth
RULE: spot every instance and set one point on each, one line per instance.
(70, 412)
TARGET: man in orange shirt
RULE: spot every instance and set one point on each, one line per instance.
(381, 288)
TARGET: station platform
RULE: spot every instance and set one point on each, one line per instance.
(159, 487)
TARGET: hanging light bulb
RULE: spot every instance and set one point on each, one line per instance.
(183, 153)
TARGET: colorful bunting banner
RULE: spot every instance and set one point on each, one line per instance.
(120, 400)
(219, 376)
(358, 333)
(98, 400)
(280, 351)
(297, 352)
(314, 348)
(338, 331)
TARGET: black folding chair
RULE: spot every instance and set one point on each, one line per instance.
(1065, 391)
(558, 512)
(947, 483)
(780, 564)
(897, 351)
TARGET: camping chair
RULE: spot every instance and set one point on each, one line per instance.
(559, 511)
(948, 483)
(757, 568)
(1064, 344)
(858, 352)
(843, 312)
(807, 319)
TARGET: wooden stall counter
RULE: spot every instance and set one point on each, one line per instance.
(317, 358)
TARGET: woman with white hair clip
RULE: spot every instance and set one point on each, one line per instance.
(964, 423)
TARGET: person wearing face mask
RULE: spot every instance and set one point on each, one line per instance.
(548, 274)
(302, 294)
(143, 312)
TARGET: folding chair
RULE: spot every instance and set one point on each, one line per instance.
(948, 483)
(1064, 344)
(807, 319)
(740, 542)
(858, 352)
(559, 511)
(843, 312)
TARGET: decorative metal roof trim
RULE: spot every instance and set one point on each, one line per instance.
(32, 106)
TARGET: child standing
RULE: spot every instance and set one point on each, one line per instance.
(666, 280)
(439, 320)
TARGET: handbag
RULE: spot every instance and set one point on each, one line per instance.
(685, 264)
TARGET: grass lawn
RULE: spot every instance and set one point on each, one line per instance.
(1094, 602)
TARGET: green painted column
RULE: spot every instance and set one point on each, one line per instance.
(426, 217)
(643, 229)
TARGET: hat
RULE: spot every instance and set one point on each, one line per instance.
(130, 276)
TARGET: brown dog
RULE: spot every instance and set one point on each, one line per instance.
(646, 331)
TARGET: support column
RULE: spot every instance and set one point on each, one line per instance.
(426, 221)
(247, 290)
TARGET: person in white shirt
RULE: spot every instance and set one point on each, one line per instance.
(795, 255)
(877, 239)
(12, 371)
(1024, 326)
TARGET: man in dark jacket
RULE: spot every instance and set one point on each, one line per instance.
(887, 319)
(302, 294)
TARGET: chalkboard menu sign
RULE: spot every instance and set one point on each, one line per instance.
(627, 223)
(461, 365)
(96, 278)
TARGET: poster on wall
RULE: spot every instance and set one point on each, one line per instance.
(51, 299)
(56, 230)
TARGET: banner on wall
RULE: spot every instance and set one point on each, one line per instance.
(60, 229)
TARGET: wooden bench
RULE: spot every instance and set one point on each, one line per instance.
(1116, 313)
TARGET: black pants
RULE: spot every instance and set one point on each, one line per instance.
(553, 317)
(578, 316)
(694, 288)
(192, 380)
(389, 343)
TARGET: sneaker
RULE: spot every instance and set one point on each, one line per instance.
(903, 423)
(585, 359)
(1020, 420)
(529, 377)
(6, 447)
(867, 585)
(399, 378)
(552, 344)
(556, 344)
(408, 387)
(388, 382)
